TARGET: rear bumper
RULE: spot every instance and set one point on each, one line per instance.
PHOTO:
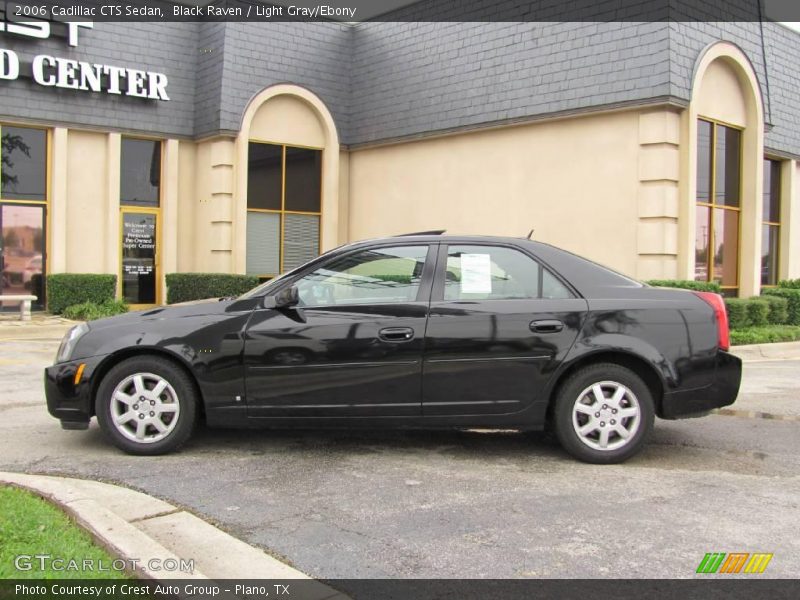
(700, 401)
(67, 400)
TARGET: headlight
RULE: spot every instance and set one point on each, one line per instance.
(69, 341)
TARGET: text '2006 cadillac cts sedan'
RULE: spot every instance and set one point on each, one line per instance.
(419, 331)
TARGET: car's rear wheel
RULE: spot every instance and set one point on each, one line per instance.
(604, 414)
(146, 405)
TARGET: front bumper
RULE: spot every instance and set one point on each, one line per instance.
(700, 401)
(67, 400)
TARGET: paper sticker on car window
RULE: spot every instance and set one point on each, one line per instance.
(476, 274)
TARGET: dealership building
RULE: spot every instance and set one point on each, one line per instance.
(666, 150)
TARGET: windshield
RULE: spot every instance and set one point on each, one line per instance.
(264, 288)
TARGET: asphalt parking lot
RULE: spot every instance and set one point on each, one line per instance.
(457, 504)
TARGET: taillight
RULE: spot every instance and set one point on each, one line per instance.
(718, 304)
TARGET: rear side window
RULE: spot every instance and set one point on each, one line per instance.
(497, 273)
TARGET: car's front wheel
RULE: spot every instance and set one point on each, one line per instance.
(146, 405)
(604, 414)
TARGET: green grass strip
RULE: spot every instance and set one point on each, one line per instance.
(31, 526)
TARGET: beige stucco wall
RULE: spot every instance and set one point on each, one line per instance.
(286, 114)
(725, 89)
(574, 181)
(85, 211)
(720, 95)
(87, 207)
(188, 202)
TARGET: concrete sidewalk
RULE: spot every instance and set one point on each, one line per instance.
(143, 530)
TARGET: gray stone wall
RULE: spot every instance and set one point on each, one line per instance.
(783, 61)
(386, 80)
(170, 48)
(411, 78)
(313, 55)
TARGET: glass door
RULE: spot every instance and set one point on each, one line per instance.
(139, 256)
(22, 252)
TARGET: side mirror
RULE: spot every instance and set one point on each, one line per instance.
(283, 299)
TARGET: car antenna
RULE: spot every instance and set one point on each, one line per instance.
(530, 234)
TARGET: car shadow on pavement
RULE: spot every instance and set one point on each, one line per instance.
(456, 443)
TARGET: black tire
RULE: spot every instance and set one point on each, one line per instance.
(580, 386)
(178, 423)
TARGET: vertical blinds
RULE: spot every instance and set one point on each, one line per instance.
(301, 240)
(263, 243)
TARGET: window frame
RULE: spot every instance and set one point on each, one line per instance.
(712, 205)
(437, 294)
(48, 170)
(142, 209)
(282, 212)
(774, 224)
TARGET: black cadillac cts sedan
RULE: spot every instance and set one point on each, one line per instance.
(418, 331)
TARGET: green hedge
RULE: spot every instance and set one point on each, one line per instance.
(685, 284)
(184, 287)
(66, 289)
(737, 312)
(778, 313)
(765, 335)
(757, 312)
(792, 284)
(792, 297)
(88, 311)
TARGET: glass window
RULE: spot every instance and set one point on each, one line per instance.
(704, 161)
(23, 163)
(284, 188)
(140, 172)
(552, 288)
(303, 179)
(701, 245)
(23, 250)
(377, 276)
(771, 228)
(726, 247)
(772, 191)
(719, 173)
(264, 176)
(263, 242)
(769, 255)
(139, 257)
(727, 164)
(496, 273)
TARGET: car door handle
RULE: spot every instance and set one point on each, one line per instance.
(547, 326)
(396, 334)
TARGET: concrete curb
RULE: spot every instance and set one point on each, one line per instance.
(136, 527)
(762, 352)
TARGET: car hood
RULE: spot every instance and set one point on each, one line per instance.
(197, 308)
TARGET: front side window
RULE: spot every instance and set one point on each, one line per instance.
(284, 193)
(376, 276)
(771, 223)
(497, 273)
(718, 202)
